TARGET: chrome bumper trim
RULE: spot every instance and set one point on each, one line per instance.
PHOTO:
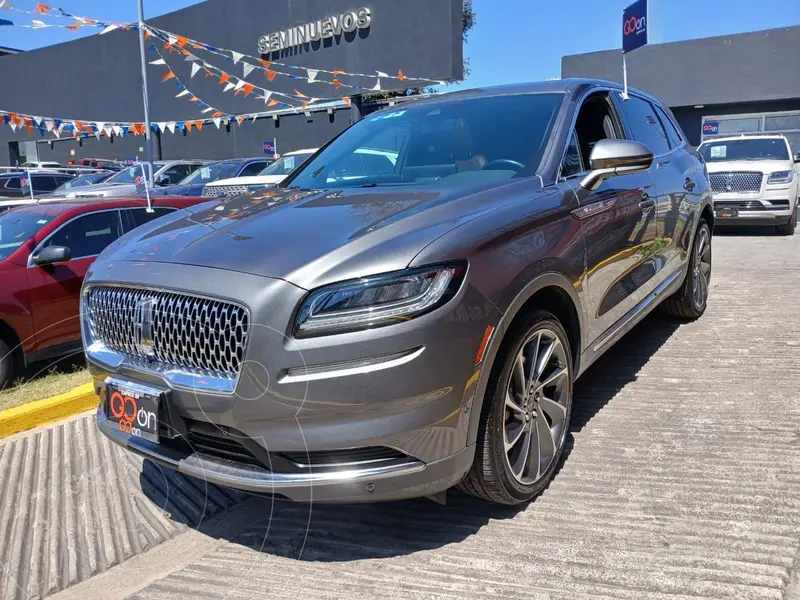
(353, 367)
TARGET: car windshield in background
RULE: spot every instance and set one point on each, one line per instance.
(286, 165)
(482, 139)
(83, 180)
(213, 172)
(18, 227)
(128, 175)
(744, 149)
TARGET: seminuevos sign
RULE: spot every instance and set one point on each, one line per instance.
(315, 31)
(634, 26)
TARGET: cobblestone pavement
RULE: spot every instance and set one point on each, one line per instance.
(681, 480)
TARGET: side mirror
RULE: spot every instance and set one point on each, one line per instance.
(162, 180)
(797, 157)
(51, 255)
(616, 157)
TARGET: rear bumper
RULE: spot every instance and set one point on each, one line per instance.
(393, 482)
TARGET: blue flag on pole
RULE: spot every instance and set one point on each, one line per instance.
(634, 26)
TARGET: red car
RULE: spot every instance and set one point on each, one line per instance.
(45, 251)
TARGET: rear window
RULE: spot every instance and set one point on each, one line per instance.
(13, 183)
(744, 149)
(18, 227)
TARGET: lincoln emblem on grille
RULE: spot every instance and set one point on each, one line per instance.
(143, 326)
(729, 182)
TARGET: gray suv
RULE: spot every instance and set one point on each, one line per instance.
(374, 330)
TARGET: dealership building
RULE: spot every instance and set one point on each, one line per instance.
(97, 79)
(734, 84)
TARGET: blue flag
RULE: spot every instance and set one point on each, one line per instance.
(634, 26)
(25, 184)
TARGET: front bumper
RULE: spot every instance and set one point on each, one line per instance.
(412, 395)
(774, 205)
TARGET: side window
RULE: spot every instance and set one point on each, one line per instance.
(644, 124)
(597, 120)
(674, 135)
(88, 235)
(572, 164)
(13, 183)
(140, 216)
(253, 169)
(44, 183)
(177, 172)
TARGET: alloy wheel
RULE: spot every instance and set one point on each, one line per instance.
(701, 276)
(536, 404)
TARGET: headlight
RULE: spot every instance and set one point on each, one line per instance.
(781, 177)
(377, 301)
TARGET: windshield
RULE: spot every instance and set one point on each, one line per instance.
(286, 165)
(81, 181)
(129, 175)
(16, 228)
(480, 139)
(745, 149)
(212, 172)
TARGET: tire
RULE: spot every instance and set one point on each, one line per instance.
(788, 227)
(492, 476)
(687, 302)
(7, 364)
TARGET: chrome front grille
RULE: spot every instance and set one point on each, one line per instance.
(200, 335)
(223, 190)
(736, 182)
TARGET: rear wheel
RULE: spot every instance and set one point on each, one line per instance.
(7, 364)
(525, 414)
(690, 301)
(788, 227)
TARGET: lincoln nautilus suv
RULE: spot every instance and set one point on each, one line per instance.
(374, 330)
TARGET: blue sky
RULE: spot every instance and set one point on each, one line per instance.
(514, 40)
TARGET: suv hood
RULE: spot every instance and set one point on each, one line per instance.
(762, 166)
(104, 191)
(252, 180)
(311, 238)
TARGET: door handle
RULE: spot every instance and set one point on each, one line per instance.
(646, 203)
(661, 163)
(689, 185)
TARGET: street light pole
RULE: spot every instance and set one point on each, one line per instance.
(148, 130)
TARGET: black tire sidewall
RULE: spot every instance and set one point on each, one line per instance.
(699, 310)
(495, 428)
(6, 364)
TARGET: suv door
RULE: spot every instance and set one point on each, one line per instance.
(617, 219)
(135, 217)
(55, 289)
(645, 126)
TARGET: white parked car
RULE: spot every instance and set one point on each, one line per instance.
(270, 176)
(754, 181)
(38, 164)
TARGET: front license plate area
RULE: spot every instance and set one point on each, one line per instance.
(728, 211)
(134, 408)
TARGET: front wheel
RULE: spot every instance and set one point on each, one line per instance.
(6, 364)
(788, 227)
(526, 413)
(690, 301)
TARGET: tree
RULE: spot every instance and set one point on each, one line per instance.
(468, 20)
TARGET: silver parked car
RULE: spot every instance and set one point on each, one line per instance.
(374, 329)
(123, 183)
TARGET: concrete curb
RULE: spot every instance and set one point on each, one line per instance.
(49, 410)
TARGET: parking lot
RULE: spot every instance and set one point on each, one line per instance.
(681, 480)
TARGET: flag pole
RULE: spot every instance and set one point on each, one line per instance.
(30, 184)
(148, 130)
(624, 76)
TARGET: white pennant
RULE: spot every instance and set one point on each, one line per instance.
(190, 58)
(109, 28)
(172, 40)
(49, 125)
(229, 86)
(108, 131)
(12, 125)
(195, 69)
(208, 110)
(267, 96)
(57, 132)
(97, 134)
(5, 4)
(218, 121)
(159, 61)
(382, 74)
(35, 24)
(247, 68)
(236, 56)
(182, 93)
(162, 125)
(117, 129)
(312, 75)
(377, 86)
(240, 85)
(255, 116)
(171, 126)
(100, 125)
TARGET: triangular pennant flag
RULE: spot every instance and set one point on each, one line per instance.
(12, 125)
(109, 28)
(181, 125)
(255, 116)
(236, 56)
(382, 74)
(100, 125)
(36, 24)
(49, 125)
(199, 124)
(273, 103)
(171, 126)
(190, 57)
(219, 113)
(162, 125)
(300, 94)
(312, 75)
(267, 95)
(77, 125)
(270, 75)
(348, 101)
(57, 132)
(108, 131)
(207, 110)
(116, 129)
(171, 39)
(377, 86)
(168, 76)
(400, 75)
(247, 68)
(182, 41)
(189, 125)
(182, 94)
(240, 84)
(217, 122)
(5, 4)
(97, 134)
(240, 120)
(248, 89)
(229, 87)
(224, 78)
(195, 69)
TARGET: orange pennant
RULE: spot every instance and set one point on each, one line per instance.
(199, 125)
(337, 83)
(182, 41)
(194, 99)
(78, 125)
(189, 125)
(209, 73)
(273, 103)
(126, 27)
(73, 27)
(224, 78)
(89, 22)
(14, 118)
(266, 63)
(248, 89)
(300, 94)
(197, 46)
(270, 74)
(88, 129)
(147, 34)
(219, 113)
(338, 72)
(42, 9)
(168, 76)
(400, 75)
(305, 105)
(240, 120)
(348, 100)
